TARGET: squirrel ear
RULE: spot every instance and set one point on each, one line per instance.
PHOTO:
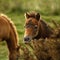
(38, 16)
(27, 15)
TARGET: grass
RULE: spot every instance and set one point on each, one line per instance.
(19, 20)
(49, 10)
(45, 7)
(3, 51)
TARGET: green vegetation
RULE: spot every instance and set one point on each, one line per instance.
(15, 9)
(45, 7)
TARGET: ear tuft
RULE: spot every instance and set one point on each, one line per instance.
(26, 15)
(37, 16)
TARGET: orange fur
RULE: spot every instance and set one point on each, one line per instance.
(35, 27)
(9, 34)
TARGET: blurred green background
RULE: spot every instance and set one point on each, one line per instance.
(45, 7)
(15, 9)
